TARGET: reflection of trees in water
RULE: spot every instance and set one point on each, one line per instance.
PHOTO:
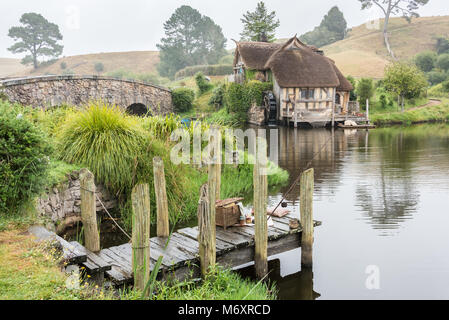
(390, 196)
(298, 147)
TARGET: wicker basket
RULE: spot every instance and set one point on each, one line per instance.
(228, 213)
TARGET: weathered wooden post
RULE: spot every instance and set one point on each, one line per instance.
(89, 211)
(140, 198)
(163, 225)
(306, 211)
(260, 209)
(206, 231)
(367, 111)
(206, 210)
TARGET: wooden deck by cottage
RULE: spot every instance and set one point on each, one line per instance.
(235, 247)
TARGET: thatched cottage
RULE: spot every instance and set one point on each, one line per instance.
(308, 87)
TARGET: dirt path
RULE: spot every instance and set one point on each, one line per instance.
(431, 103)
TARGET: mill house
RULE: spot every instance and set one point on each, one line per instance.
(307, 86)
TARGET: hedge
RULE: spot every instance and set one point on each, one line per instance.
(209, 70)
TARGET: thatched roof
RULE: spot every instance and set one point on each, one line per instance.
(294, 64)
(255, 54)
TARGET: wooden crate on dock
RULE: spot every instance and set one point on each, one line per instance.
(227, 212)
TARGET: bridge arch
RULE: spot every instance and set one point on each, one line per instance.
(137, 109)
(49, 91)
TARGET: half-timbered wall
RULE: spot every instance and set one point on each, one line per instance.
(298, 99)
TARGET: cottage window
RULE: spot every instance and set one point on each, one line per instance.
(307, 94)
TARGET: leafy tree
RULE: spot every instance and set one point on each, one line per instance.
(394, 7)
(99, 67)
(190, 39)
(365, 90)
(259, 25)
(436, 77)
(443, 62)
(442, 45)
(405, 80)
(37, 36)
(352, 94)
(333, 28)
(426, 60)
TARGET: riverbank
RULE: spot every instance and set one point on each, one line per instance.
(426, 114)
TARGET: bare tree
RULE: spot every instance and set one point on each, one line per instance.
(394, 7)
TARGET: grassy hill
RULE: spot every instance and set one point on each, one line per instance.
(10, 67)
(363, 54)
(134, 61)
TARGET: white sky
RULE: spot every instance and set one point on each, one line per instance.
(93, 26)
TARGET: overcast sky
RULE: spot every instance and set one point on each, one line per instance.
(93, 26)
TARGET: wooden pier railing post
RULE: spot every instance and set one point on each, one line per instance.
(163, 225)
(306, 211)
(260, 210)
(89, 211)
(206, 229)
(140, 198)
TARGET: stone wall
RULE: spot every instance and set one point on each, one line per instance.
(62, 205)
(48, 91)
(256, 115)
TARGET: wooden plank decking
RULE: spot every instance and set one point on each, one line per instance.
(235, 247)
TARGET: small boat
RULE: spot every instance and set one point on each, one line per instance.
(359, 126)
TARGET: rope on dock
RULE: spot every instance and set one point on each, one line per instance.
(107, 212)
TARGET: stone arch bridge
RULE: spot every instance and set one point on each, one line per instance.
(47, 91)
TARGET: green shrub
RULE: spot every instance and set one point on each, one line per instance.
(99, 67)
(202, 84)
(383, 101)
(443, 62)
(63, 65)
(445, 86)
(236, 99)
(209, 70)
(217, 98)
(106, 141)
(24, 159)
(255, 89)
(426, 60)
(436, 77)
(365, 90)
(183, 99)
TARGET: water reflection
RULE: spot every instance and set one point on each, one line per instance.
(386, 191)
(297, 286)
(383, 197)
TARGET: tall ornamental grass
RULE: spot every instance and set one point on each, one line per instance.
(106, 141)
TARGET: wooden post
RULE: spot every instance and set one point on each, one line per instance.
(163, 225)
(218, 179)
(218, 157)
(260, 210)
(140, 198)
(367, 111)
(89, 211)
(206, 230)
(306, 211)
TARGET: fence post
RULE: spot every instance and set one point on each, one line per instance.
(260, 209)
(140, 198)
(306, 211)
(206, 230)
(163, 225)
(89, 211)
(367, 111)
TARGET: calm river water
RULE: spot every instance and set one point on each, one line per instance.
(383, 198)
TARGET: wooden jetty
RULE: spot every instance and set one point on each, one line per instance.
(189, 251)
(235, 247)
